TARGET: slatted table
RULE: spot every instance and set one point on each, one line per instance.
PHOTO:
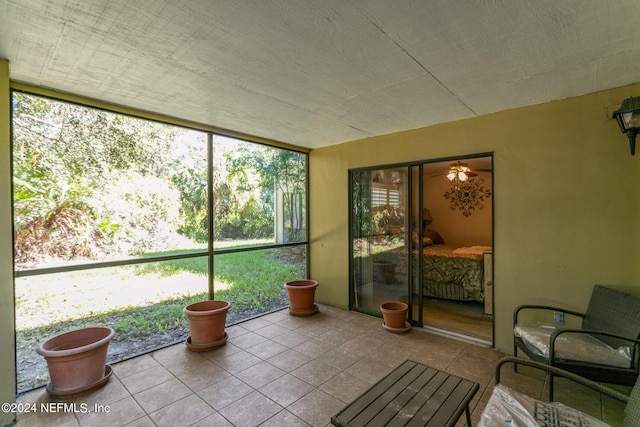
(413, 394)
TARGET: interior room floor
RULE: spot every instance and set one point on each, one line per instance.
(279, 370)
(464, 318)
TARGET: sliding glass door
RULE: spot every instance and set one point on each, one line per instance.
(400, 211)
(380, 243)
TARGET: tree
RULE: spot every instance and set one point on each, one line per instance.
(90, 183)
(270, 171)
(68, 162)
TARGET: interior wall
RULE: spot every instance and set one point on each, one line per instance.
(449, 221)
(7, 328)
(565, 204)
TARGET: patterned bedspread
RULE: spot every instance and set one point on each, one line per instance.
(450, 275)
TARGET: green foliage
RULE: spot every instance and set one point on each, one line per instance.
(197, 265)
(136, 323)
(388, 219)
(259, 287)
(254, 283)
(192, 186)
(277, 172)
(361, 195)
(67, 231)
(141, 217)
(89, 183)
(131, 186)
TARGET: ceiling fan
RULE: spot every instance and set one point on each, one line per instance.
(459, 172)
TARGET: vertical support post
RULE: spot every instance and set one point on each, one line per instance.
(8, 387)
(210, 215)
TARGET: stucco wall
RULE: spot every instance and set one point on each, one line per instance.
(566, 197)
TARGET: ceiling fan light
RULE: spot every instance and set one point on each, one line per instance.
(451, 175)
(462, 176)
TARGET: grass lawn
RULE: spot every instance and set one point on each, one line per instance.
(143, 303)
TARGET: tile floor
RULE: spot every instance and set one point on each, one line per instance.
(277, 370)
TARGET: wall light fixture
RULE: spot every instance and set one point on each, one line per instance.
(628, 117)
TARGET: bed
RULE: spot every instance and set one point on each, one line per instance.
(454, 273)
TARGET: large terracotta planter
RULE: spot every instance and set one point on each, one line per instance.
(207, 321)
(77, 360)
(301, 297)
(384, 271)
(395, 315)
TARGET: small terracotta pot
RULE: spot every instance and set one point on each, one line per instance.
(301, 297)
(77, 360)
(207, 320)
(394, 314)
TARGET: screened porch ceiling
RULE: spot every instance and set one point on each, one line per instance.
(317, 73)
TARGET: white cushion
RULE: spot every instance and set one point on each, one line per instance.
(570, 346)
(507, 407)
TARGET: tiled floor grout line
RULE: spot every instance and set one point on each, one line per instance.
(318, 356)
(266, 361)
(193, 392)
(282, 365)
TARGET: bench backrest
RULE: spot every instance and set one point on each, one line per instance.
(615, 312)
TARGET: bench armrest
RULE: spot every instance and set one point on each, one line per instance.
(562, 373)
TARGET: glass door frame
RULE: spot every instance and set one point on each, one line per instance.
(410, 221)
(411, 279)
(420, 231)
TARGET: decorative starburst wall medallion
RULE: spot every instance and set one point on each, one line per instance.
(468, 196)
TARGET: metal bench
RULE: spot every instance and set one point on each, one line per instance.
(507, 407)
(611, 323)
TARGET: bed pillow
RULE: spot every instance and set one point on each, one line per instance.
(426, 241)
(435, 237)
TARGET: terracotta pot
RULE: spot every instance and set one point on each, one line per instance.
(384, 271)
(207, 320)
(77, 360)
(301, 297)
(394, 314)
